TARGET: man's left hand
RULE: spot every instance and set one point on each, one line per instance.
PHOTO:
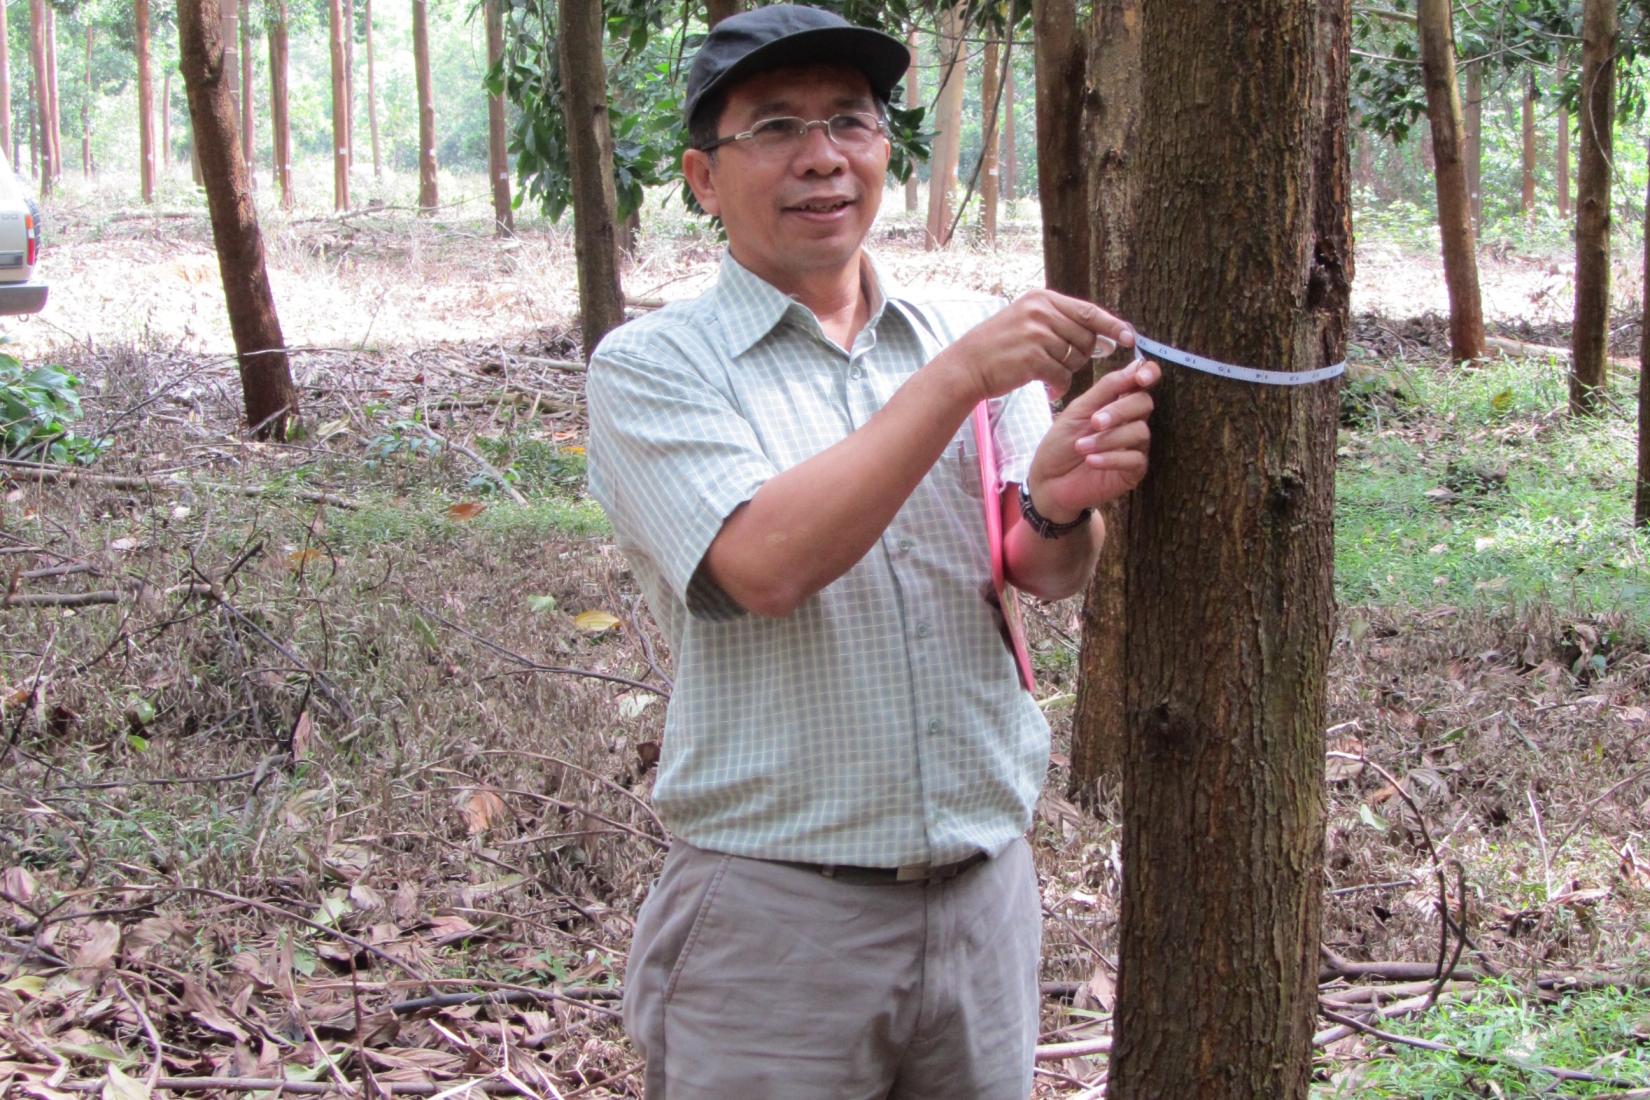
(1096, 449)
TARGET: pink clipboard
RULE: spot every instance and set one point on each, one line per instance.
(1006, 598)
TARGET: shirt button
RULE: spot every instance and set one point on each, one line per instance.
(923, 630)
(933, 725)
(905, 545)
(856, 372)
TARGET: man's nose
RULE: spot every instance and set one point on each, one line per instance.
(819, 151)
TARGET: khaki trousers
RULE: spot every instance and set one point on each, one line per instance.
(751, 980)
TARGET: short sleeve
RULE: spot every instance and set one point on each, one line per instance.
(1017, 428)
(670, 459)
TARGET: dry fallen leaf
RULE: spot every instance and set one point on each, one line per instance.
(99, 948)
(118, 1086)
(482, 809)
(595, 622)
(296, 560)
(466, 511)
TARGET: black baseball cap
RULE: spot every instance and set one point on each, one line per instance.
(790, 34)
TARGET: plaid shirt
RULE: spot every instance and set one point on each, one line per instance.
(882, 723)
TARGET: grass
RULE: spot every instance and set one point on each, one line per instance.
(1503, 1035)
(1475, 489)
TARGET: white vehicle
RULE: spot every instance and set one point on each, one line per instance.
(20, 291)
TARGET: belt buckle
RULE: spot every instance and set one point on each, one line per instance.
(914, 872)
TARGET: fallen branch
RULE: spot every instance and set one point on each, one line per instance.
(1082, 1048)
(35, 471)
(280, 1085)
(1507, 345)
(91, 599)
(487, 468)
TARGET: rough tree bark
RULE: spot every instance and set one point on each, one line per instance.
(340, 106)
(952, 52)
(42, 96)
(1562, 169)
(1231, 549)
(590, 160)
(498, 157)
(266, 381)
(1455, 226)
(718, 10)
(249, 104)
(1113, 123)
(428, 194)
(913, 98)
(1472, 147)
(5, 87)
(1526, 196)
(231, 17)
(991, 108)
(1589, 347)
(372, 94)
(1061, 191)
(280, 122)
(146, 100)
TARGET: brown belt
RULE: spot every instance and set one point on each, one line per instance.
(888, 876)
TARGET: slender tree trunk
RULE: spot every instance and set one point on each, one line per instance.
(230, 15)
(1641, 495)
(42, 143)
(280, 121)
(372, 96)
(1590, 339)
(1527, 118)
(1098, 721)
(590, 160)
(146, 101)
(249, 103)
(1473, 147)
(1061, 175)
(1010, 154)
(164, 155)
(266, 380)
(913, 98)
(428, 195)
(37, 162)
(53, 101)
(349, 80)
(718, 10)
(5, 86)
(991, 107)
(86, 109)
(340, 106)
(1230, 619)
(1562, 170)
(1455, 226)
(498, 157)
(952, 52)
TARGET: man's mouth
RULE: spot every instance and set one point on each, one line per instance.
(820, 206)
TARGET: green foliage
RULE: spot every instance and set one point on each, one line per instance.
(36, 408)
(1505, 1034)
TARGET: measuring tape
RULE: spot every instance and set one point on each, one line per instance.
(1164, 353)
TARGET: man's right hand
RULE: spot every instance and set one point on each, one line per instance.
(1042, 337)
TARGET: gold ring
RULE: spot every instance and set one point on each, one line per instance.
(1070, 347)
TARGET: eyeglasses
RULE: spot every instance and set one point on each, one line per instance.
(853, 132)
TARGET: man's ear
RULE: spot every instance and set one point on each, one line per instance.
(696, 168)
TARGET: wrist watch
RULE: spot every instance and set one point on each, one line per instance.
(1045, 527)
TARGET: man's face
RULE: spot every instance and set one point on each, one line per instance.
(800, 213)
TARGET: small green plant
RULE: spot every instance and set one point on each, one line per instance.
(36, 408)
(401, 437)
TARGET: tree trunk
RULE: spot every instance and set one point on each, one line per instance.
(1230, 618)
(349, 81)
(718, 10)
(1641, 496)
(280, 122)
(947, 149)
(86, 110)
(1473, 146)
(1010, 157)
(42, 95)
(428, 194)
(1527, 118)
(230, 14)
(590, 163)
(1061, 184)
(1113, 124)
(913, 98)
(146, 101)
(266, 382)
(53, 102)
(340, 106)
(1563, 167)
(5, 87)
(498, 158)
(164, 154)
(991, 108)
(1455, 226)
(1589, 348)
(372, 96)
(249, 106)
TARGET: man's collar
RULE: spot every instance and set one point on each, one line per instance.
(750, 307)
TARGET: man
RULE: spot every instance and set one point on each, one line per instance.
(849, 765)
